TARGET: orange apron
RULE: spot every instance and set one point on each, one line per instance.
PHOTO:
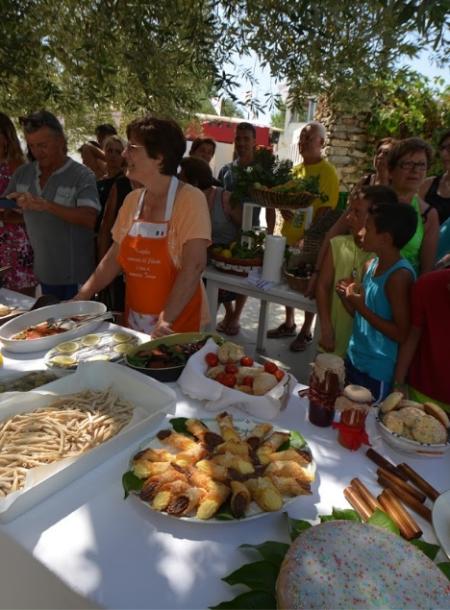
(150, 272)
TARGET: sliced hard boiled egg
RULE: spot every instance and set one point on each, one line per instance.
(90, 340)
(64, 361)
(121, 337)
(69, 347)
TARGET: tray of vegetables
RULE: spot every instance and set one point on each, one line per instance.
(165, 358)
(295, 193)
(241, 256)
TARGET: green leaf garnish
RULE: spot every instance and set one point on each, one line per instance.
(179, 425)
(341, 514)
(130, 482)
(296, 441)
(430, 550)
(224, 513)
(380, 519)
(297, 526)
(444, 566)
(258, 576)
(270, 551)
(251, 600)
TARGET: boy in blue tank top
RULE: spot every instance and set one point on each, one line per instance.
(381, 305)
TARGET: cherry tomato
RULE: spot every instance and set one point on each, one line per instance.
(279, 374)
(248, 380)
(231, 368)
(211, 359)
(270, 367)
(229, 380)
(220, 377)
(246, 361)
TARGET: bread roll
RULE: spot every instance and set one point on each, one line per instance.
(263, 383)
(391, 402)
(437, 412)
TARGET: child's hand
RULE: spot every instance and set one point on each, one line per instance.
(354, 293)
(342, 285)
(326, 340)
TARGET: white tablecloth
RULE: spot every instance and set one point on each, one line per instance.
(122, 555)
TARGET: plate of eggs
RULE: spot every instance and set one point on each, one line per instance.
(107, 346)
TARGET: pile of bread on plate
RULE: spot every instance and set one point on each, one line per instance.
(424, 423)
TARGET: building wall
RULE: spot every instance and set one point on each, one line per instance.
(348, 144)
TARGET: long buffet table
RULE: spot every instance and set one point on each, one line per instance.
(119, 554)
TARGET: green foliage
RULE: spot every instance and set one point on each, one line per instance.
(409, 104)
(336, 49)
(258, 576)
(278, 117)
(231, 109)
(297, 526)
(130, 482)
(341, 514)
(296, 441)
(266, 170)
(84, 59)
(430, 550)
(381, 519)
(251, 600)
(270, 551)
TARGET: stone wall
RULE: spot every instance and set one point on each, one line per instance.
(347, 145)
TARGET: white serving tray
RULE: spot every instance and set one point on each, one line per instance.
(62, 310)
(18, 301)
(148, 396)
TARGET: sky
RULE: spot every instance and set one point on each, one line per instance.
(266, 83)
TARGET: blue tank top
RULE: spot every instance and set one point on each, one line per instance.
(369, 350)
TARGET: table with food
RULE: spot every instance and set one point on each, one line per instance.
(181, 473)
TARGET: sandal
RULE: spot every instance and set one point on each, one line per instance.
(300, 343)
(221, 326)
(228, 329)
(282, 331)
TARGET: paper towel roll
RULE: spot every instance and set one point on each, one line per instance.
(274, 246)
(247, 217)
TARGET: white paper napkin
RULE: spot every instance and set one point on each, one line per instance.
(195, 384)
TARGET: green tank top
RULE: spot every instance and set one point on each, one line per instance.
(412, 249)
(347, 258)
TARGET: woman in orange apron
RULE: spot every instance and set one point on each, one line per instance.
(160, 237)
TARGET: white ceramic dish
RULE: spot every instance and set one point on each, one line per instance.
(19, 303)
(441, 521)
(148, 397)
(243, 426)
(62, 310)
(406, 445)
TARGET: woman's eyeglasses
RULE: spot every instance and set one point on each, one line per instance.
(130, 147)
(419, 165)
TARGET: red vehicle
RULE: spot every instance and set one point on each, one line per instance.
(222, 130)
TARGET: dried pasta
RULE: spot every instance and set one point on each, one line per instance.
(69, 426)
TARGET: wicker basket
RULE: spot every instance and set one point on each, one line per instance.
(299, 284)
(236, 266)
(274, 199)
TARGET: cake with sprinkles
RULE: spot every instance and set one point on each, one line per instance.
(344, 564)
